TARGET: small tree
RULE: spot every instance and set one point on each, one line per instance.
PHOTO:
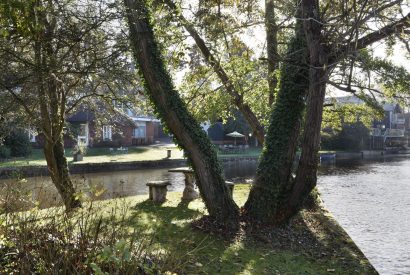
(56, 54)
(19, 143)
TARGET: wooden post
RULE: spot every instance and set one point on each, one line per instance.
(168, 154)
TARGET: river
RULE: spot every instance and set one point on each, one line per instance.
(371, 200)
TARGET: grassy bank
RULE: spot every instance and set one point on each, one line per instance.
(103, 155)
(100, 155)
(313, 243)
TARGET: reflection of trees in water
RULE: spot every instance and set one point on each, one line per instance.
(240, 170)
(360, 166)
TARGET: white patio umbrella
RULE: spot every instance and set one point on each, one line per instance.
(235, 135)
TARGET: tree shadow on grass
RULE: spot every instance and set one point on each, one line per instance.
(312, 236)
(310, 244)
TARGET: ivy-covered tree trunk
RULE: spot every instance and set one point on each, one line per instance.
(271, 47)
(306, 175)
(287, 193)
(274, 179)
(173, 112)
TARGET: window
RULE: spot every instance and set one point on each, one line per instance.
(82, 138)
(32, 133)
(107, 132)
(140, 132)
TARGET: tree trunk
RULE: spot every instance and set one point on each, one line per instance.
(306, 175)
(273, 177)
(213, 62)
(271, 48)
(58, 169)
(171, 109)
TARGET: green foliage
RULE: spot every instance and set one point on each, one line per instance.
(135, 236)
(89, 242)
(394, 79)
(335, 116)
(5, 152)
(19, 143)
(351, 137)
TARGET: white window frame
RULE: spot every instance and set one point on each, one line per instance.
(82, 140)
(107, 132)
(140, 125)
(32, 134)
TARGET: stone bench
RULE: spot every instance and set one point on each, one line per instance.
(189, 193)
(158, 190)
(231, 186)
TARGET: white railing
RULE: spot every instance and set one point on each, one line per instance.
(394, 133)
(398, 119)
(376, 132)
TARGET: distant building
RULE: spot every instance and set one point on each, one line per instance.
(391, 131)
(124, 128)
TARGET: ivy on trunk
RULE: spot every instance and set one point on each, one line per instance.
(173, 112)
(273, 182)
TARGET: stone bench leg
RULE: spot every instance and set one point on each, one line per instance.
(158, 191)
(159, 194)
(231, 186)
(189, 193)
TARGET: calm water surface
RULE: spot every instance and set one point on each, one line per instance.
(371, 200)
(372, 203)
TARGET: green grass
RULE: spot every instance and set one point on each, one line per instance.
(316, 243)
(101, 155)
(313, 243)
(251, 152)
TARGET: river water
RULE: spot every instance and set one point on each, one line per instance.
(372, 203)
(371, 200)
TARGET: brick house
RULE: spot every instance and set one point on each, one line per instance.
(123, 130)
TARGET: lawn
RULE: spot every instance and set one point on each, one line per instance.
(135, 153)
(312, 243)
(99, 155)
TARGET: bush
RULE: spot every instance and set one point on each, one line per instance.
(19, 143)
(352, 137)
(4, 152)
(87, 243)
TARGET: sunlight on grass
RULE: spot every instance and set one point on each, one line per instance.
(101, 155)
(189, 251)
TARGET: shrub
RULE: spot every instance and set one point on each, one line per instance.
(19, 143)
(4, 152)
(352, 137)
(86, 243)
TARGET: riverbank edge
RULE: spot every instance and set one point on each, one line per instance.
(338, 233)
(83, 168)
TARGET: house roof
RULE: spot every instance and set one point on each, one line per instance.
(389, 107)
(144, 118)
(81, 116)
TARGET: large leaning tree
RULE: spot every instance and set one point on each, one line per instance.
(55, 55)
(333, 33)
(173, 112)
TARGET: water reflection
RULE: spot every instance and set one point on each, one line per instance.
(370, 199)
(112, 184)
